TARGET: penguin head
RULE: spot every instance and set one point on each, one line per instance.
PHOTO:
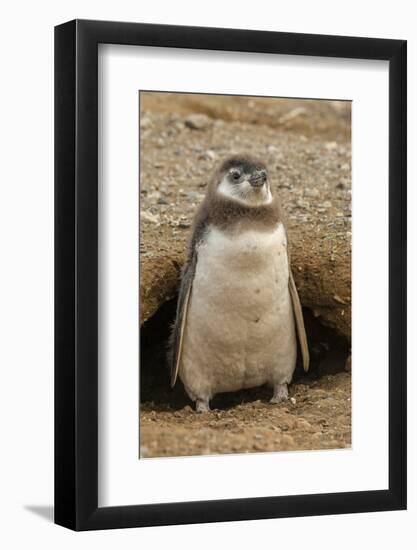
(244, 179)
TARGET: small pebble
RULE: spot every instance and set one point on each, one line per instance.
(147, 216)
(272, 149)
(198, 121)
(303, 204)
(208, 155)
(145, 122)
(311, 192)
(184, 224)
(154, 195)
(290, 115)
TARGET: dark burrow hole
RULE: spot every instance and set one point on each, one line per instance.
(328, 355)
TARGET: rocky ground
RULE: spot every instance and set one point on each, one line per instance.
(306, 145)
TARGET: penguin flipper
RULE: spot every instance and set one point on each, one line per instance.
(299, 322)
(177, 336)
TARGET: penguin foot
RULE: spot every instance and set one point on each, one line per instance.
(202, 405)
(280, 393)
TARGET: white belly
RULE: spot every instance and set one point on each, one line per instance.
(240, 328)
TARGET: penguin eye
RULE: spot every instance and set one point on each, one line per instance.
(235, 175)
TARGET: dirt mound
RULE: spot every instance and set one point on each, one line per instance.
(311, 177)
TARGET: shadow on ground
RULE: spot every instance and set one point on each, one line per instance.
(45, 512)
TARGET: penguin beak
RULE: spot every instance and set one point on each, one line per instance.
(257, 179)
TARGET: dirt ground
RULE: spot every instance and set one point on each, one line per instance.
(317, 416)
(306, 145)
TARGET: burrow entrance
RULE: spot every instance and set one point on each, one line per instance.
(328, 355)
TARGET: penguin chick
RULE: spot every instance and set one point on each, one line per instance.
(238, 310)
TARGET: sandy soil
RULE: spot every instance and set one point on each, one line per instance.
(306, 146)
(317, 416)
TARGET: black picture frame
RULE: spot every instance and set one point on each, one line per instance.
(76, 272)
